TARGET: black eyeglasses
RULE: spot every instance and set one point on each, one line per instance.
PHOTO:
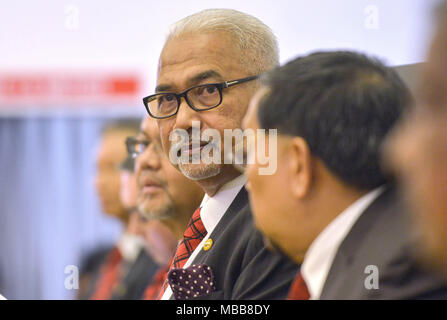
(199, 98)
(135, 147)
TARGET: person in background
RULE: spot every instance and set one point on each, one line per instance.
(139, 268)
(335, 212)
(166, 199)
(110, 265)
(417, 152)
(109, 157)
(206, 76)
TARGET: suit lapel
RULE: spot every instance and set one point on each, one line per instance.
(236, 206)
(353, 241)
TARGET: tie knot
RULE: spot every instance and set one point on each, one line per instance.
(196, 214)
(298, 289)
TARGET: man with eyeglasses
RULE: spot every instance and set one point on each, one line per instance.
(163, 193)
(166, 199)
(206, 75)
(112, 273)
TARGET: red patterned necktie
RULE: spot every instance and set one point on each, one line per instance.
(298, 289)
(194, 234)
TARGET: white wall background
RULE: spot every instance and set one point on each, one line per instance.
(115, 34)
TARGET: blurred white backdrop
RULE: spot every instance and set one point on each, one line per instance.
(104, 34)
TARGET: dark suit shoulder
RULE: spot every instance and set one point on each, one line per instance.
(381, 244)
(265, 274)
(138, 276)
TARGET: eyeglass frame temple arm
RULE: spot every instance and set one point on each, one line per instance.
(233, 82)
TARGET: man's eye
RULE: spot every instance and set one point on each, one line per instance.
(165, 98)
(206, 90)
(169, 97)
(210, 89)
(167, 102)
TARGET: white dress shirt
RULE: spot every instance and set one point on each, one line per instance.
(212, 210)
(321, 253)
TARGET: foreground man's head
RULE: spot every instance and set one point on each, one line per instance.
(417, 151)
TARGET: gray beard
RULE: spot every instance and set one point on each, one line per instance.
(163, 213)
(194, 172)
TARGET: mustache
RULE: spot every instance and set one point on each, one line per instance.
(180, 140)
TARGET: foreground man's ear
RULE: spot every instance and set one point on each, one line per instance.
(299, 162)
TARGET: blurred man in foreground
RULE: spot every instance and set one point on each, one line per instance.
(417, 151)
(333, 209)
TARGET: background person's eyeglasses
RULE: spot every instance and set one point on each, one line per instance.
(199, 98)
(135, 147)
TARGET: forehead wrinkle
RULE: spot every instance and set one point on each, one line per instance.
(204, 76)
(194, 80)
(194, 53)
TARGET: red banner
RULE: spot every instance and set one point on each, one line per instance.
(70, 89)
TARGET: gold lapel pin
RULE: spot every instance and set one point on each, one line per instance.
(208, 244)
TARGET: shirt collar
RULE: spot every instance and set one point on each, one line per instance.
(321, 253)
(130, 245)
(213, 208)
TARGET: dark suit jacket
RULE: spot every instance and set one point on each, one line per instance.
(90, 270)
(138, 276)
(243, 267)
(381, 237)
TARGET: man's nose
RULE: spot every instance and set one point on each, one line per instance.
(148, 160)
(185, 116)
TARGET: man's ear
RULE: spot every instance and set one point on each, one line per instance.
(300, 167)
